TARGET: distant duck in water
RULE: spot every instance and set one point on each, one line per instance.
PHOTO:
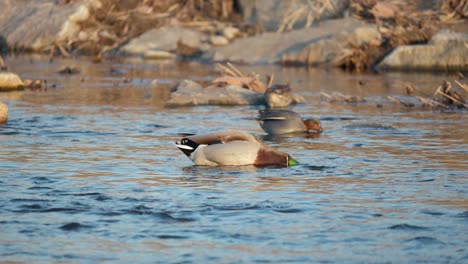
(281, 121)
(278, 95)
(231, 147)
(3, 113)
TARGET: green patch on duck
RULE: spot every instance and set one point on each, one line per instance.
(291, 161)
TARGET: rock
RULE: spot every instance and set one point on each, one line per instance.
(324, 51)
(230, 32)
(445, 51)
(190, 93)
(35, 25)
(218, 40)
(158, 55)
(165, 39)
(10, 82)
(69, 70)
(3, 113)
(269, 47)
(270, 13)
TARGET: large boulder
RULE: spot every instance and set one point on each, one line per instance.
(271, 14)
(36, 24)
(326, 50)
(190, 93)
(269, 47)
(166, 39)
(445, 51)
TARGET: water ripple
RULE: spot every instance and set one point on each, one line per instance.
(74, 226)
(407, 227)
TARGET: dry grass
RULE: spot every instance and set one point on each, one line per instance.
(313, 11)
(116, 22)
(400, 23)
(445, 96)
(233, 76)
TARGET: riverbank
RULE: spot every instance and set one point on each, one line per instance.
(355, 35)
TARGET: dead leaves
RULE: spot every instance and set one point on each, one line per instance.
(113, 23)
(233, 76)
(399, 22)
(311, 12)
(445, 97)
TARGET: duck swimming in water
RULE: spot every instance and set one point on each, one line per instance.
(281, 121)
(278, 96)
(231, 147)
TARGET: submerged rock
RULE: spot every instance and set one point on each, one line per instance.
(190, 93)
(10, 81)
(36, 25)
(270, 47)
(3, 113)
(445, 51)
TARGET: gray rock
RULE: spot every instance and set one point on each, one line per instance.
(325, 50)
(269, 13)
(36, 24)
(445, 51)
(165, 39)
(190, 93)
(158, 55)
(270, 47)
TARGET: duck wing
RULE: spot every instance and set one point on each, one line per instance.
(280, 121)
(224, 136)
(277, 114)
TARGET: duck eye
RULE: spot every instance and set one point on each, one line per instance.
(184, 141)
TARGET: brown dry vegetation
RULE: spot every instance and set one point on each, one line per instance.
(445, 97)
(116, 22)
(400, 22)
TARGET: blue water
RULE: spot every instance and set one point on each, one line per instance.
(89, 174)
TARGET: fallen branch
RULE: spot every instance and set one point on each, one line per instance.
(453, 99)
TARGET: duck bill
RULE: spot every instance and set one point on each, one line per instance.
(292, 161)
(187, 150)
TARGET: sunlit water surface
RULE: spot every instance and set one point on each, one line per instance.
(89, 173)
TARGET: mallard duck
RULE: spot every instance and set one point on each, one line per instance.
(231, 147)
(278, 95)
(3, 113)
(276, 122)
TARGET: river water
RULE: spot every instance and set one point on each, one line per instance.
(89, 172)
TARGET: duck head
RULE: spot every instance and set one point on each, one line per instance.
(187, 146)
(313, 125)
(278, 95)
